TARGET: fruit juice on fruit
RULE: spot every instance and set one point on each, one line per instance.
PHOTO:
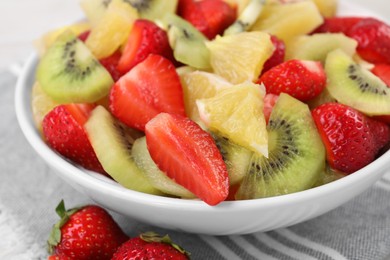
(217, 99)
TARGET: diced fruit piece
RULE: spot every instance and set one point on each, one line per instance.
(145, 38)
(157, 178)
(373, 39)
(382, 71)
(198, 85)
(355, 86)
(87, 232)
(112, 30)
(94, 9)
(322, 98)
(49, 38)
(63, 129)
(236, 157)
(112, 142)
(327, 8)
(247, 17)
(190, 11)
(150, 245)
(339, 24)
(177, 145)
(287, 21)
(240, 62)
(301, 79)
(317, 46)
(329, 175)
(346, 133)
(381, 132)
(151, 87)
(218, 14)
(296, 154)
(240, 5)
(277, 56)
(237, 114)
(69, 73)
(111, 63)
(41, 104)
(188, 43)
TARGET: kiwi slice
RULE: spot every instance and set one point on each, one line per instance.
(236, 158)
(247, 18)
(328, 175)
(155, 176)
(317, 46)
(296, 154)
(187, 42)
(355, 86)
(69, 73)
(112, 142)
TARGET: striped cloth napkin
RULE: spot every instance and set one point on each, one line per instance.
(30, 190)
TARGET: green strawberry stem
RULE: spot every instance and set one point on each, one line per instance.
(55, 234)
(151, 236)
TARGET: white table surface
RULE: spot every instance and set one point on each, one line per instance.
(23, 21)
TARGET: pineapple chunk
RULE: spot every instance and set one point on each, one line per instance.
(94, 9)
(240, 62)
(327, 8)
(289, 20)
(112, 30)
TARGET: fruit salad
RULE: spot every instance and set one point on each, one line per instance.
(216, 99)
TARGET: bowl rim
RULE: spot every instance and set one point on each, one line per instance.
(88, 180)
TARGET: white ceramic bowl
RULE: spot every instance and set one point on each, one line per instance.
(237, 217)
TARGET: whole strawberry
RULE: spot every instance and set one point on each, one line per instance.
(63, 129)
(303, 80)
(87, 232)
(150, 246)
(352, 140)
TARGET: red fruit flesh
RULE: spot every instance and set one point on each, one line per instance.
(348, 138)
(151, 87)
(382, 71)
(191, 11)
(88, 233)
(373, 39)
(269, 103)
(189, 155)
(219, 15)
(63, 130)
(303, 80)
(111, 63)
(277, 56)
(145, 38)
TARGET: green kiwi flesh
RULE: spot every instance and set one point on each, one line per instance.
(355, 86)
(188, 43)
(69, 73)
(247, 17)
(236, 158)
(296, 154)
(112, 143)
(155, 176)
(317, 46)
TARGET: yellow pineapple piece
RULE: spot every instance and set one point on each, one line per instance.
(240, 57)
(94, 9)
(289, 20)
(237, 114)
(112, 30)
(49, 38)
(327, 8)
(199, 85)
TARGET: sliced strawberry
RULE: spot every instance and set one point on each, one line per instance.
(63, 130)
(151, 87)
(303, 80)
(277, 56)
(84, 35)
(192, 12)
(145, 38)
(382, 71)
(347, 135)
(218, 14)
(373, 37)
(189, 155)
(381, 132)
(338, 24)
(111, 63)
